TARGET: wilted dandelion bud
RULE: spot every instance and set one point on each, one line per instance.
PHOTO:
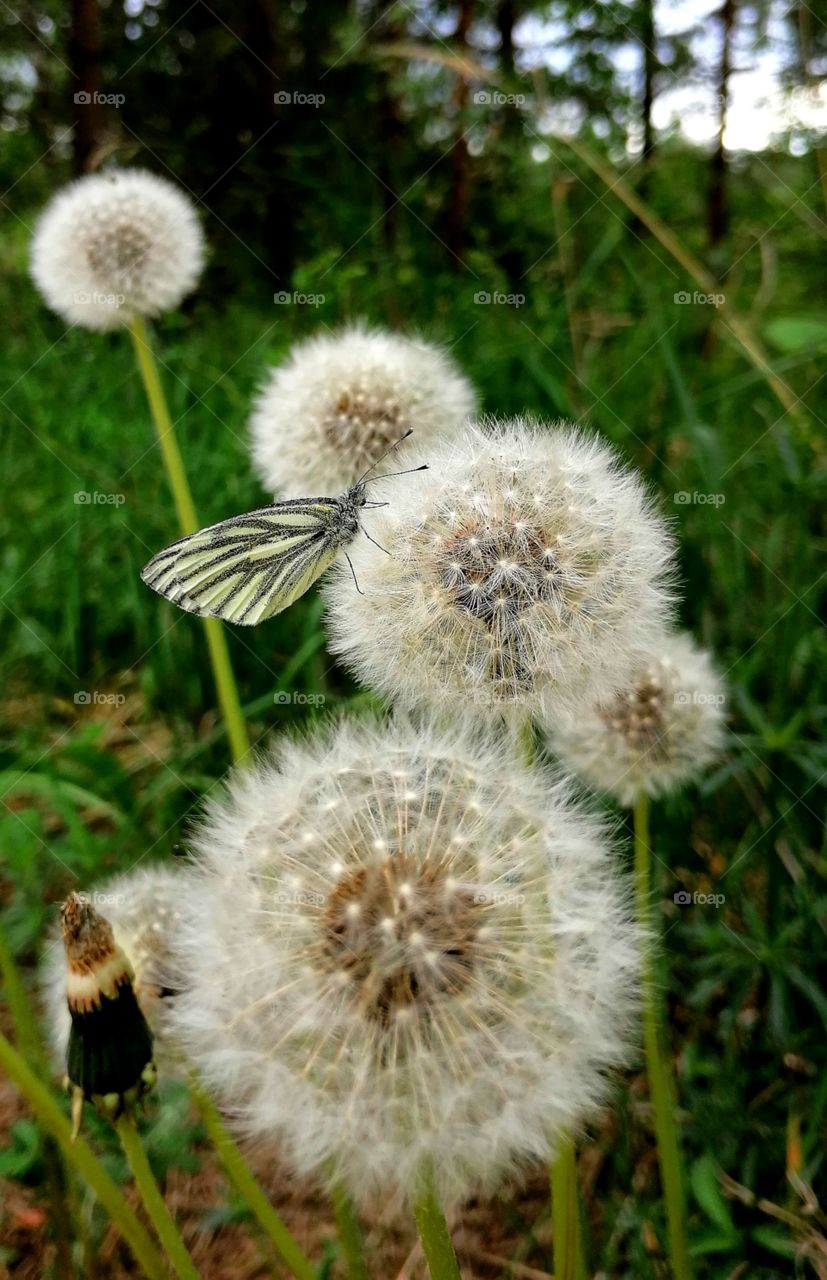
(114, 245)
(109, 1059)
(404, 951)
(340, 400)
(142, 909)
(662, 730)
(525, 568)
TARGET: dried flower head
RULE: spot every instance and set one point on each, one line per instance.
(114, 245)
(141, 909)
(524, 566)
(403, 949)
(340, 400)
(658, 733)
(109, 1057)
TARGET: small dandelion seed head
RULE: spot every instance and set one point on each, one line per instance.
(456, 1003)
(138, 912)
(664, 729)
(114, 245)
(340, 400)
(497, 589)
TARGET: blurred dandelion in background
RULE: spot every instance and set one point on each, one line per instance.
(116, 245)
(340, 400)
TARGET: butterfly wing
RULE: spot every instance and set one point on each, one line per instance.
(250, 567)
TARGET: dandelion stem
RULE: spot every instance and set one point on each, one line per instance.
(658, 1067)
(567, 1240)
(565, 1209)
(244, 1181)
(80, 1155)
(154, 1203)
(350, 1233)
(434, 1233)
(188, 521)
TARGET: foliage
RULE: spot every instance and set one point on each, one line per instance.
(593, 332)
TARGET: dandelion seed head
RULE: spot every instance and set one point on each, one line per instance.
(460, 1003)
(114, 245)
(340, 400)
(497, 589)
(658, 733)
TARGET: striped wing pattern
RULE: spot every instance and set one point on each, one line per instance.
(249, 567)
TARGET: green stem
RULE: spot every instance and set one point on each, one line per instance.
(434, 1233)
(80, 1154)
(658, 1067)
(22, 1017)
(567, 1243)
(156, 1209)
(188, 520)
(243, 1179)
(28, 1038)
(350, 1233)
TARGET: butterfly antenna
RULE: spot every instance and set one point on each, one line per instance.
(353, 571)
(375, 543)
(384, 455)
(389, 475)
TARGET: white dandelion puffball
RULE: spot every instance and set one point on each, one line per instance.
(658, 733)
(523, 568)
(340, 400)
(143, 908)
(114, 245)
(402, 951)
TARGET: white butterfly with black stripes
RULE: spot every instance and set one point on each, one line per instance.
(250, 567)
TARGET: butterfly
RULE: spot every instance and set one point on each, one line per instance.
(251, 567)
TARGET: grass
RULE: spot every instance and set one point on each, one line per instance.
(90, 788)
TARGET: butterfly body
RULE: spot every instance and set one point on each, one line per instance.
(253, 566)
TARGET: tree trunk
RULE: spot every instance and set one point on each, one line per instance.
(85, 43)
(460, 166)
(647, 38)
(505, 19)
(717, 205)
